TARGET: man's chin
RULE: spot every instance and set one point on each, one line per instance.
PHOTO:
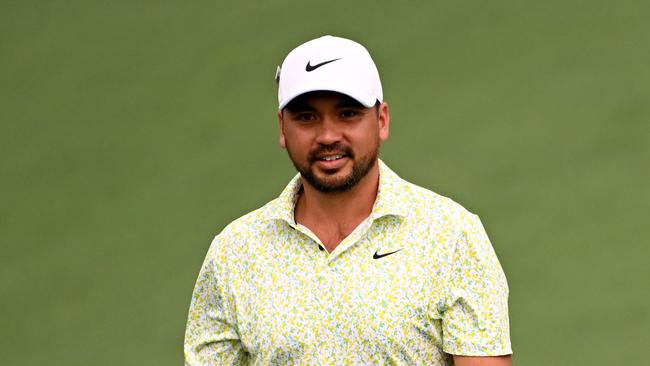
(337, 180)
(330, 181)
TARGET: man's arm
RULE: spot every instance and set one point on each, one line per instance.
(211, 336)
(483, 361)
(475, 313)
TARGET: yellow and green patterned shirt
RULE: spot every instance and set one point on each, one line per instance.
(418, 280)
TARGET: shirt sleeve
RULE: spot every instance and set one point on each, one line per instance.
(475, 315)
(211, 336)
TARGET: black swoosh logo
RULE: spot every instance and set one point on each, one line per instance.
(377, 256)
(309, 67)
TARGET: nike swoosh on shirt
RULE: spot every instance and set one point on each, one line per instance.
(309, 67)
(377, 256)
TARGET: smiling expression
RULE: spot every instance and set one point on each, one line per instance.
(332, 140)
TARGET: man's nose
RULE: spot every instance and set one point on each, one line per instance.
(329, 131)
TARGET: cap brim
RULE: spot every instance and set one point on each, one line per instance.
(365, 99)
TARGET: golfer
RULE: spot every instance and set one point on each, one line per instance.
(351, 264)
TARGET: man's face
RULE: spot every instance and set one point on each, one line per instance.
(332, 140)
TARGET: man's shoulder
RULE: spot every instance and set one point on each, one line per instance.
(247, 233)
(439, 217)
(254, 222)
(425, 202)
(414, 201)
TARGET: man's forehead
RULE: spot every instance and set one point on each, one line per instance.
(308, 100)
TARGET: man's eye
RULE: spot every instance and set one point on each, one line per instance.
(305, 117)
(349, 113)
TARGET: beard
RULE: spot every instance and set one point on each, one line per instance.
(333, 184)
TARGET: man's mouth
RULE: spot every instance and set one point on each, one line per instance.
(331, 160)
(331, 157)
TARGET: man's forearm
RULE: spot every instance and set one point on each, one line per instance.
(483, 361)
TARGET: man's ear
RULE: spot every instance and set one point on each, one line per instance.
(384, 121)
(282, 141)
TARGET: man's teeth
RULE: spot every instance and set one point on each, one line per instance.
(333, 157)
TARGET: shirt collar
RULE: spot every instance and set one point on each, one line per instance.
(391, 196)
(390, 199)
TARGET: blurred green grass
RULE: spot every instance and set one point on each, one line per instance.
(132, 132)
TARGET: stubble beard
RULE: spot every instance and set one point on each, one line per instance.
(360, 168)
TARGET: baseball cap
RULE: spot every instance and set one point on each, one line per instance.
(329, 63)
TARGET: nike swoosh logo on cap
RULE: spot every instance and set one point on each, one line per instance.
(309, 67)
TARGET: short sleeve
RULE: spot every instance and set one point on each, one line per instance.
(211, 336)
(475, 312)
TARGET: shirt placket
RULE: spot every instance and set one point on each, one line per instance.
(327, 279)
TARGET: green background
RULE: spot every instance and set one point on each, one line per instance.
(131, 132)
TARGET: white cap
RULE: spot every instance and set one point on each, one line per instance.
(329, 63)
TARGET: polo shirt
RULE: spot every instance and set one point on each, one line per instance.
(418, 280)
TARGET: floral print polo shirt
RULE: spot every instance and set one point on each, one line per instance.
(416, 282)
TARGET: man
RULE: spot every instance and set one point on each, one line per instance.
(350, 265)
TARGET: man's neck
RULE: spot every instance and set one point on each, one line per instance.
(333, 216)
